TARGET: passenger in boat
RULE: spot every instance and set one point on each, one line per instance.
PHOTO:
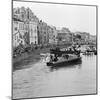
(70, 50)
(51, 58)
(78, 53)
(55, 58)
(67, 56)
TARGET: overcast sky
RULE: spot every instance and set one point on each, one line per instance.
(76, 18)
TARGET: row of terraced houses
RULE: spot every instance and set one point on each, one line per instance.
(28, 29)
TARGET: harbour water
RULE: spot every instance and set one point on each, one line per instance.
(40, 80)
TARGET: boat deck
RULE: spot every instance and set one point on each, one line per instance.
(62, 61)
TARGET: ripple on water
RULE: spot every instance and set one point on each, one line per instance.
(40, 80)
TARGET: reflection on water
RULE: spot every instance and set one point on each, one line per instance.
(40, 80)
(73, 65)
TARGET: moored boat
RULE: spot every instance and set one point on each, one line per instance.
(88, 53)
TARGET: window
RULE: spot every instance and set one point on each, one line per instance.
(35, 30)
(15, 28)
(20, 26)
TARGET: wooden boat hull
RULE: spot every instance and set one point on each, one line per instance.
(67, 62)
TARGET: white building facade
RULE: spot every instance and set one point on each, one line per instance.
(18, 32)
(33, 35)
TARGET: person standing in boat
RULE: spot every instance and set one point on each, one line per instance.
(77, 50)
(51, 57)
(55, 57)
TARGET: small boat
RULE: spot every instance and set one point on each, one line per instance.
(88, 53)
(65, 60)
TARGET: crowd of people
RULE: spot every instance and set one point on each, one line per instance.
(21, 49)
(57, 52)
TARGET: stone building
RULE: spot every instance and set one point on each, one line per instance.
(64, 36)
(52, 34)
(33, 35)
(18, 32)
(85, 36)
(26, 24)
(93, 39)
(82, 37)
(42, 33)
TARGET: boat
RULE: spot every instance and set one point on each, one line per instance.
(88, 53)
(65, 60)
(90, 50)
(57, 51)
